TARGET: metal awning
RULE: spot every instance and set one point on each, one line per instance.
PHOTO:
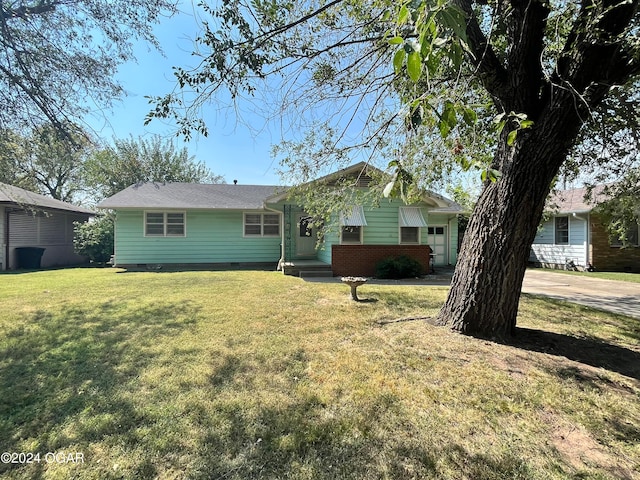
(353, 217)
(411, 217)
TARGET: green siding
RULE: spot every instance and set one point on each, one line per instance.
(211, 237)
(383, 229)
(383, 224)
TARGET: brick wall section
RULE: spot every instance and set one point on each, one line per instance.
(613, 259)
(361, 260)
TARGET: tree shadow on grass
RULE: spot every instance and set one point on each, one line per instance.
(61, 371)
(402, 301)
(307, 436)
(590, 351)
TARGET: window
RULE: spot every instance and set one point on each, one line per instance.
(271, 224)
(409, 235)
(306, 229)
(410, 220)
(351, 234)
(351, 222)
(435, 230)
(261, 225)
(633, 239)
(562, 231)
(164, 224)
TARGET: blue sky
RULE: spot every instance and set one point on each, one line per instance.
(230, 150)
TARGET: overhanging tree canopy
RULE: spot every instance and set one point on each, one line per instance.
(58, 58)
(413, 66)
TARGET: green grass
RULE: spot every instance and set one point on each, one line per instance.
(243, 375)
(620, 276)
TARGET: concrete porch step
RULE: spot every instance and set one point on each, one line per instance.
(315, 273)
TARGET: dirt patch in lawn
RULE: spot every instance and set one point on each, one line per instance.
(581, 451)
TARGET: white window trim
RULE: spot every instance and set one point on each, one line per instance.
(400, 242)
(164, 224)
(262, 234)
(360, 242)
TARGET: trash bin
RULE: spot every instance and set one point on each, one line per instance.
(29, 257)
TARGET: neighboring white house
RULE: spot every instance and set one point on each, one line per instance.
(28, 219)
(574, 233)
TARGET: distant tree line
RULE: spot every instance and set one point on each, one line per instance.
(73, 168)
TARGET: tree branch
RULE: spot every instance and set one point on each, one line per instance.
(593, 56)
(492, 73)
(527, 24)
(24, 11)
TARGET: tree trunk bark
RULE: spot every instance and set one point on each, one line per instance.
(485, 290)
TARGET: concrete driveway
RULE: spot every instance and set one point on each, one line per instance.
(608, 295)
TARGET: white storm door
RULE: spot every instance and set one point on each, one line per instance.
(305, 237)
(437, 240)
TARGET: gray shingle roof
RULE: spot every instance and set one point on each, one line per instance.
(19, 196)
(573, 200)
(191, 195)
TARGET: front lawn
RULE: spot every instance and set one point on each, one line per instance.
(254, 375)
(620, 276)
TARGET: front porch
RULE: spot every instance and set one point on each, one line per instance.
(307, 268)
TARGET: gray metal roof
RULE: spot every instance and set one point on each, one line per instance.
(191, 195)
(21, 197)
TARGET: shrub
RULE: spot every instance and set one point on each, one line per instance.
(398, 267)
(94, 239)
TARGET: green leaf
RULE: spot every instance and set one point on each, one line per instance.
(403, 15)
(511, 138)
(397, 40)
(388, 189)
(526, 123)
(469, 116)
(398, 60)
(456, 55)
(417, 115)
(449, 114)
(440, 42)
(414, 66)
(444, 128)
(500, 121)
(454, 19)
(494, 174)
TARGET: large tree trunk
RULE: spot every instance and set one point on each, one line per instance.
(485, 291)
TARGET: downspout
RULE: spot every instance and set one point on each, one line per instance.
(449, 241)
(5, 265)
(586, 237)
(280, 265)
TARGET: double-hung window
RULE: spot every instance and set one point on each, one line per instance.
(351, 225)
(261, 225)
(164, 224)
(562, 230)
(410, 220)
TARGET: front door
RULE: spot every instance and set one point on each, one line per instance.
(437, 240)
(306, 237)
